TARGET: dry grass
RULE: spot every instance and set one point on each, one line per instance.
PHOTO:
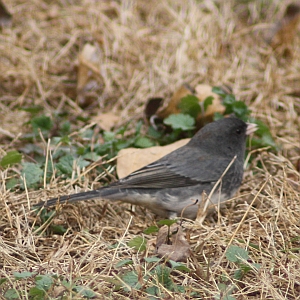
(149, 49)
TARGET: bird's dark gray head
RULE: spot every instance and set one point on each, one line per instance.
(226, 137)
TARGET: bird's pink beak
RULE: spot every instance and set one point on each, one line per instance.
(251, 128)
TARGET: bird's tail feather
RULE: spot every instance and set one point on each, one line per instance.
(70, 198)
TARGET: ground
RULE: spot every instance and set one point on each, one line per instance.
(149, 49)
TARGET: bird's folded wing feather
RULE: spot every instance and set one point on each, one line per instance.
(161, 174)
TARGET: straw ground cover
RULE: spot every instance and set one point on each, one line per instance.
(149, 48)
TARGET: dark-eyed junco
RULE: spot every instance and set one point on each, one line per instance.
(173, 183)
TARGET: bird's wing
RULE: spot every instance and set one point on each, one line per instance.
(181, 173)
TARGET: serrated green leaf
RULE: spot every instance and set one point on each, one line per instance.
(153, 133)
(11, 158)
(22, 275)
(167, 222)
(85, 292)
(180, 121)
(43, 123)
(64, 140)
(238, 274)
(66, 164)
(91, 156)
(124, 262)
(179, 266)
(3, 280)
(138, 243)
(43, 282)
(131, 279)
(241, 110)
(163, 276)
(151, 229)
(65, 128)
(11, 294)
(152, 259)
(152, 290)
(66, 284)
(32, 173)
(108, 136)
(217, 90)
(265, 137)
(256, 266)
(228, 101)
(235, 254)
(36, 293)
(143, 142)
(11, 183)
(190, 105)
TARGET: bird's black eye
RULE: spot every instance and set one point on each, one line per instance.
(238, 131)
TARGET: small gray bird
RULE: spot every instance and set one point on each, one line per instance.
(173, 183)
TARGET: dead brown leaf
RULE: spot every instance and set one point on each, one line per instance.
(132, 159)
(171, 106)
(89, 74)
(106, 120)
(202, 91)
(174, 247)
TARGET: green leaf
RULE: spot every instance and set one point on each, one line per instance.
(11, 158)
(218, 116)
(91, 156)
(152, 259)
(190, 105)
(167, 222)
(207, 102)
(109, 136)
(124, 262)
(11, 183)
(36, 293)
(217, 90)
(241, 110)
(11, 294)
(85, 292)
(131, 279)
(32, 173)
(43, 123)
(153, 133)
(256, 266)
(235, 254)
(66, 164)
(3, 280)
(265, 137)
(65, 128)
(33, 109)
(143, 142)
(180, 121)
(163, 276)
(228, 101)
(138, 243)
(87, 134)
(238, 274)
(179, 266)
(58, 229)
(152, 290)
(151, 229)
(43, 282)
(23, 275)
